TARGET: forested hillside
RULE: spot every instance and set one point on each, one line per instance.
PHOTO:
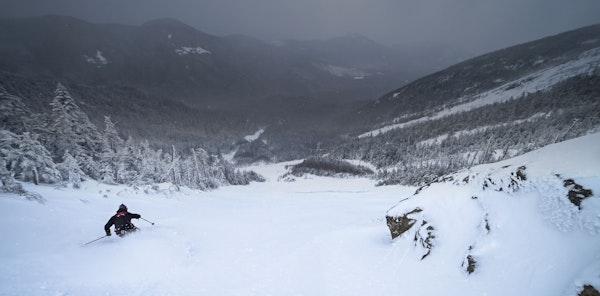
(490, 108)
(419, 153)
(64, 146)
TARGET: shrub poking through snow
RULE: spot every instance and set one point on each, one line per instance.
(576, 192)
(589, 291)
(323, 166)
(424, 238)
(469, 264)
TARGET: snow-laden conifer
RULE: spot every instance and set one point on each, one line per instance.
(111, 144)
(70, 129)
(15, 116)
(70, 171)
(151, 167)
(27, 158)
(128, 166)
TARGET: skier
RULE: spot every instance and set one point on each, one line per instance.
(122, 222)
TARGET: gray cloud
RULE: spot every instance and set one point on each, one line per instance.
(476, 25)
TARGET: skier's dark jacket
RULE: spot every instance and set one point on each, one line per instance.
(122, 222)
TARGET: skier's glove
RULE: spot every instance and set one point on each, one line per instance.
(108, 233)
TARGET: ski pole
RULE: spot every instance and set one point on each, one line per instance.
(95, 240)
(147, 221)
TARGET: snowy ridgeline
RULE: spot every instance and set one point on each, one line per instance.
(100, 60)
(319, 235)
(587, 63)
(185, 50)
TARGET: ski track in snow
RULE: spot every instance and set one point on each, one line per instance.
(314, 236)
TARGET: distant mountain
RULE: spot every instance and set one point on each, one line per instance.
(169, 58)
(161, 57)
(123, 71)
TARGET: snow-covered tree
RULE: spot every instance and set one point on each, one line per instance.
(202, 178)
(6, 177)
(15, 116)
(27, 159)
(110, 138)
(107, 173)
(70, 129)
(151, 167)
(109, 159)
(128, 163)
(9, 184)
(173, 173)
(70, 171)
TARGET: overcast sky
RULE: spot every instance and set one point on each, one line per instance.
(475, 25)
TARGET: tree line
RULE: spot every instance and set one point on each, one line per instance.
(64, 146)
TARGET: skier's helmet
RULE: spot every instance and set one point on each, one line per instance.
(122, 208)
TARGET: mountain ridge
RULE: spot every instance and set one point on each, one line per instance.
(308, 96)
(165, 61)
(450, 84)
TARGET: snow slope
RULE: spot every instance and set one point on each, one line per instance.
(314, 236)
(513, 218)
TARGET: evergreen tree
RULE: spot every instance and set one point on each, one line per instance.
(70, 129)
(6, 177)
(109, 160)
(107, 174)
(173, 173)
(199, 159)
(128, 164)
(15, 116)
(70, 170)
(27, 159)
(111, 140)
(152, 168)
(9, 184)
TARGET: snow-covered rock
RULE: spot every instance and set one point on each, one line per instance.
(539, 211)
